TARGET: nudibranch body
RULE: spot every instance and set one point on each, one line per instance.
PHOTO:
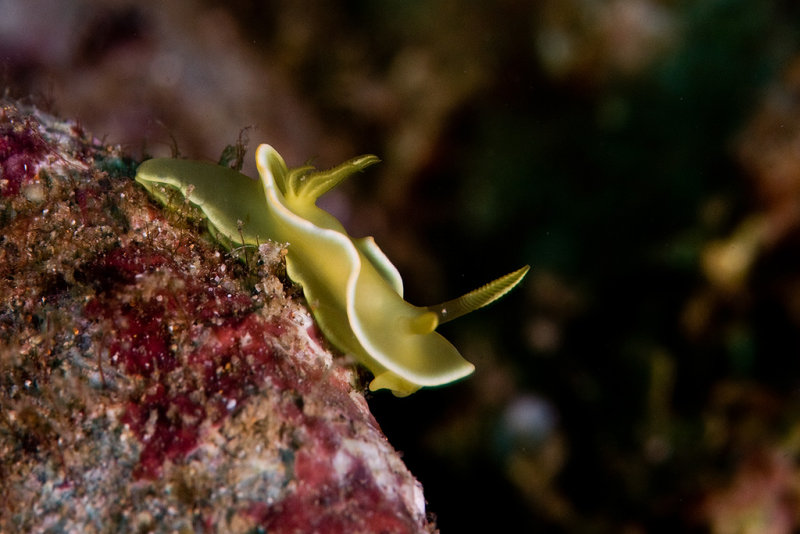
(354, 291)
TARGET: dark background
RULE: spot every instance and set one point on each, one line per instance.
(642, 156)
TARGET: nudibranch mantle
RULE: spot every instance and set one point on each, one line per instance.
(354, 291)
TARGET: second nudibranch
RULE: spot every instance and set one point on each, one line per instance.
(353, 290)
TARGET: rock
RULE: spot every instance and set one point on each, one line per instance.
(152, 382)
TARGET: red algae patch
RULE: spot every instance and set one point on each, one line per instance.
(21, 151)
(150, 322)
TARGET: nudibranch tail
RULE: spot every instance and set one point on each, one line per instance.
(478, 298)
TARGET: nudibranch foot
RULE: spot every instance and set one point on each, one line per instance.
(355, 292)
(398, 386)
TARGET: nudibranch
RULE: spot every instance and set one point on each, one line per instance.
(353, 290)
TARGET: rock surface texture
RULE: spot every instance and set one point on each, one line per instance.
(152, 382)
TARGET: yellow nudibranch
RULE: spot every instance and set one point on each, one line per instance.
(354, 291)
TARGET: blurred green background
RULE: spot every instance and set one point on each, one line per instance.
(642, 155)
